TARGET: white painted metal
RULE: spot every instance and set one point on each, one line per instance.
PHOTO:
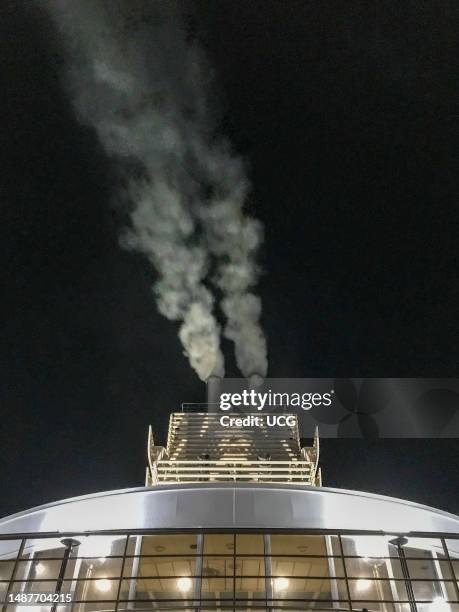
(230, 506)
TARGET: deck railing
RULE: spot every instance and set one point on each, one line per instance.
(167, 471)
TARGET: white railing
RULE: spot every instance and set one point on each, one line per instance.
(167, 471)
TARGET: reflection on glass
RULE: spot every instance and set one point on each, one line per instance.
(9, 549)
(307, 588)
(97, 589)
(428, 590)
(366, 546)
(453, 549)
(365, 588)
(162, 588)
(174, 571)
(6, 570)
(101, 547)
(43, 548)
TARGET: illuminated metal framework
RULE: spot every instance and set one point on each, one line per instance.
(204, 571)
(200, 449)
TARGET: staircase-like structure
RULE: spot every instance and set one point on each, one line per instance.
(200, 449)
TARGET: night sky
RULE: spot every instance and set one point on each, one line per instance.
(346, 114)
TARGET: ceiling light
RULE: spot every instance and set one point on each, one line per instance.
(281, 583)
(103, 585)
(184, 584)
(362, 584)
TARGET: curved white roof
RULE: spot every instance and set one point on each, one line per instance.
(227, 506)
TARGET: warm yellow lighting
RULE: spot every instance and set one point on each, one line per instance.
(281, 583)
(184, 584)
(362, 584)
(103, 585)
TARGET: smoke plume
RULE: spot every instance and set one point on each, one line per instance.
(137, 77)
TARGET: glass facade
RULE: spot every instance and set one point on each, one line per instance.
(231, 571)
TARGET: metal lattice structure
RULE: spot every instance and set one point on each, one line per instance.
(200, 449)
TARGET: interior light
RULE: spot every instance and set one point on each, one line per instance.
(103, 585)
(362, 584)
(281, 583)
(184, 584)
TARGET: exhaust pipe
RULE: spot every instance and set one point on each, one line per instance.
(213, 390)
(255, 380)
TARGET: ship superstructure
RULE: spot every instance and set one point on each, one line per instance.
(200, 448)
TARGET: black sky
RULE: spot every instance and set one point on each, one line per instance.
(346, 114)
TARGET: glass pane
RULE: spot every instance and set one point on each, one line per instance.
(160, 588)
(214, 567)
(366, 546)
(427, 590)
(307, 566)
(9, 549)
(100, 547)
(218, 543)
(99, 568)
(250, 566)
(437, 606)
(250, 544)
(35, 587)
(397, 586)
(366, 588)
(453, 548)
(96, 589)
(180, 544)
(371, 567)
(450, 592)
(214, 588)
(6, 569)
(298, 545)
(422, 547)
(43, 548)
(3, 590)
(428, 569)
(308, 588)
(152, 567)
(36, 569)
(255, 586)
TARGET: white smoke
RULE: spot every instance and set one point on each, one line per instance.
(144, 87)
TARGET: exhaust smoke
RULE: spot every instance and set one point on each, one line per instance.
(137, 78)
